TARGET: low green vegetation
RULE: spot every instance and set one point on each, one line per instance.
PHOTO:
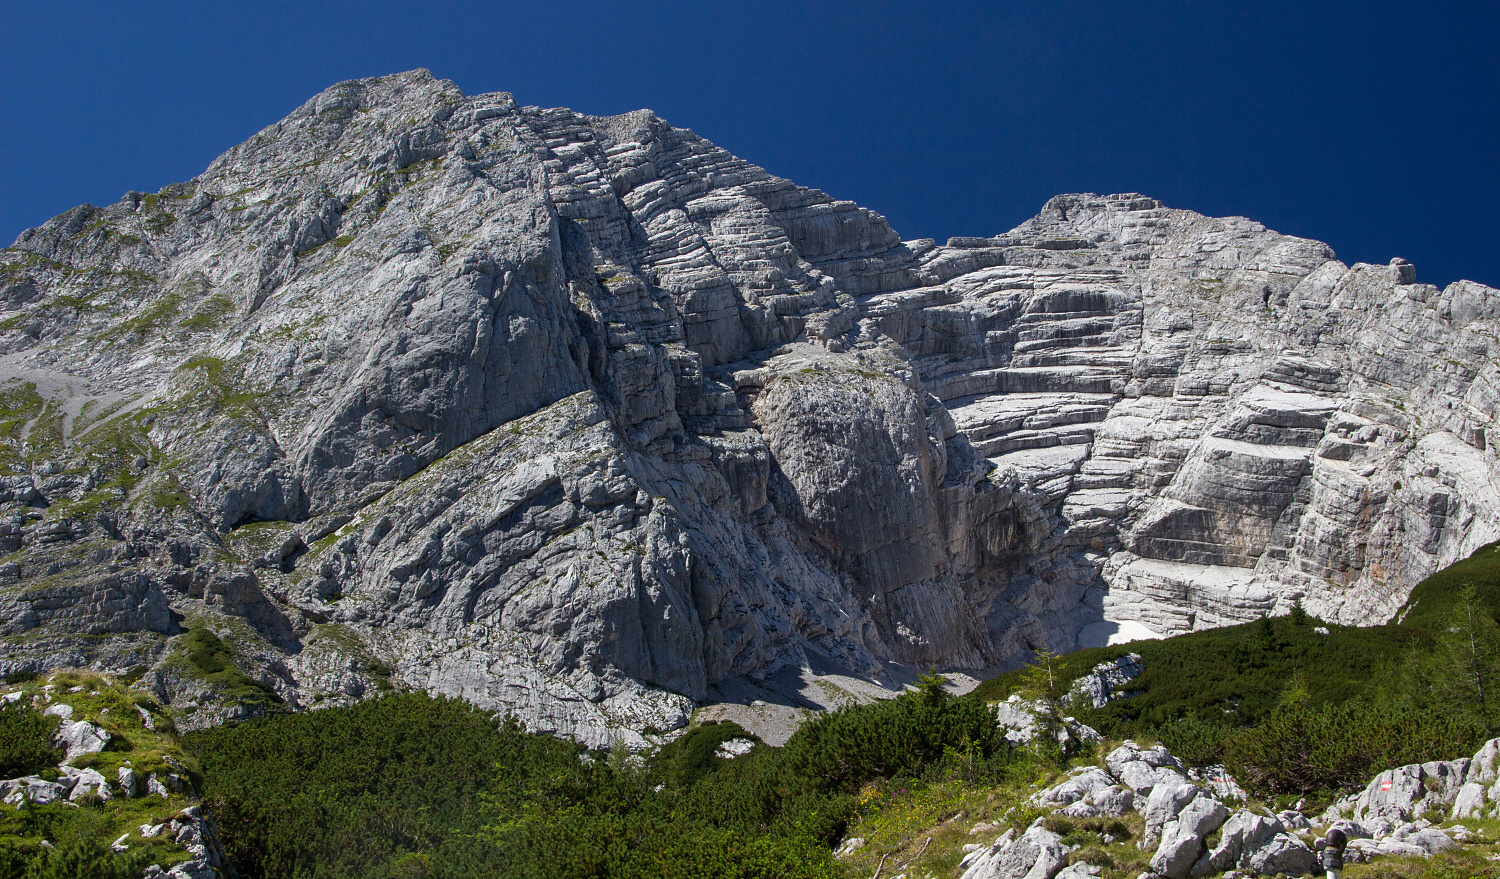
(1292, 711)
(214, 385)
(67, 840)
(210, 313)
(25, 740)
(204, 655)
(412, 786)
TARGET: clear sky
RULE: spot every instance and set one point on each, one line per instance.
(1373, 126)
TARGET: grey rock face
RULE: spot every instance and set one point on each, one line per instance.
(1243, 834)
(80, 737)
(577, 417)
(1182, 839)
(1097, 688)
(1036, 854)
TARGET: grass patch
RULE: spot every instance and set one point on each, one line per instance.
(80, 834)
(210, 313)
(204, 655)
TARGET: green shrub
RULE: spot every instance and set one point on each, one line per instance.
(686, 759)
(81, 852)
(409, 786)
(900, 737)
(213, 660)
(25, 740)
(1300, 749)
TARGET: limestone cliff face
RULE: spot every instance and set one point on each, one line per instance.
(582, 416)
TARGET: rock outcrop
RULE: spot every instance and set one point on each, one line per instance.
(581, 417)
(1187, 827)
(1036, 854)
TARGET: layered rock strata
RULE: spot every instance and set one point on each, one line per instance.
(582, 417)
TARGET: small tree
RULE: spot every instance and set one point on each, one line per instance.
(1298, 614)
(1265, 633)
(1042, 684)
(1468, 657)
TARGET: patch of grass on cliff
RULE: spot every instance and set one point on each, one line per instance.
(210, 313)
(80, 833)
(217, 385)
(153, 320)
(165, 493)
(203, 654)
(1432, 600)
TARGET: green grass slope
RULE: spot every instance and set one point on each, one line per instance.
(1347, 703)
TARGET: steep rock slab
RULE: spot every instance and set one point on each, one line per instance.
(289, 401)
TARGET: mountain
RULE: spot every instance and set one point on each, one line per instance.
(586, 419)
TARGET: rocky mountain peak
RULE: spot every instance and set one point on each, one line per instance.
(587, 419)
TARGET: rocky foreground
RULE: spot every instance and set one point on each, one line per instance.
(586, 419)
(1197, 824)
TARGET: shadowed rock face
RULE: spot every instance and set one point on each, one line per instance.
(581, 417)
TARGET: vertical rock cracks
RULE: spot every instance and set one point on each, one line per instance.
(584, 417)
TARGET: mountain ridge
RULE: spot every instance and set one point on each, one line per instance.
(585, 418)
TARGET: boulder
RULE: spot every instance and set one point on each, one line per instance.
(1097, 687)
(1243, 833)
(31, 789)
(1470, 802)
(87, 782)
(1075, 787)
(197, 833)
(850, 846)
(80, 737)
(1431, 840)
(1036, 854)
(1401, 794)
(1217, 779)
(1182, 840)
(154, 786)
(1484, 766)
(129, 781)
(1142, 770)
(1018, 717)
(1111, 802)
(1162, 808)
(1283, 853)
(1362, 850)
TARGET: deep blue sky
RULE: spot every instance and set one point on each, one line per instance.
(1370, 126)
